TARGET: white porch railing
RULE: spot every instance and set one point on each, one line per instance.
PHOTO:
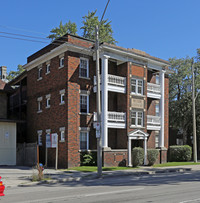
(116, 116)
(153, 88)
(114, 80)
(113, 117)
(153, 120)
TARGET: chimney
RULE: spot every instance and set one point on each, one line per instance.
(3, 73)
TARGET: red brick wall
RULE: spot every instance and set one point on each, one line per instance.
(115, 158)
(52, 118)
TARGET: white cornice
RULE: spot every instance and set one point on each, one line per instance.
(128, 54)
(56, 52)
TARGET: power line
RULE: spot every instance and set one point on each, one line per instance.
(24, 30)
(23, 35)
(22, 39)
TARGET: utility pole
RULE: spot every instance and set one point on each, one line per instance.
(98, 99)
(194, 116)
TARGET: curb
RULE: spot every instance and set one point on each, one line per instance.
(104, 175)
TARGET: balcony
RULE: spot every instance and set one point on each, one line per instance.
(153, 91)
(115, 119)
(153, 122)
(115, 83)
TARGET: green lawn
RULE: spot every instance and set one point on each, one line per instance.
(175, 164)
(94, 168)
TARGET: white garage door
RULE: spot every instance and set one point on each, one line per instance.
(7, 143)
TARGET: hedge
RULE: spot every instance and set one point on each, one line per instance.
(152, 156)
(88, 158)
(180, 153)
(137, 156)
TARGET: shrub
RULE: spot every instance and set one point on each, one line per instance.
(152, 155)
(88, 158)
(138, 156)
(180, 153)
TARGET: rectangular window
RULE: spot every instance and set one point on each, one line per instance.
(84, 103)
(137, 118)
(157, 79)
(84, 141)
(39, 105)
(48, 100)
(61, 62)
(84, 68)
(62, 98)
(39, 102)
(47, 68)
(137, 86)
(39, 73)
(156, 139)
(62, 134)
(157, 109)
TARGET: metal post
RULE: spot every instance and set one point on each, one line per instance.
(194, 117)
(56, 163)
(98, 99)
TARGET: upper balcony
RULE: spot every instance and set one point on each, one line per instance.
(153, 91)
(153, 122)
(115, 119)
(115, 83)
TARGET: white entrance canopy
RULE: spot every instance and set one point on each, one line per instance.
(137, 135)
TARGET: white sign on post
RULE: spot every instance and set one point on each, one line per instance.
(54, 140)
(48, 140)
(98, 132)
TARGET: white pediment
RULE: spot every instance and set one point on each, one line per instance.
(138, 134)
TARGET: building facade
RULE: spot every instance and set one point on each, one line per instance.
(61, 98)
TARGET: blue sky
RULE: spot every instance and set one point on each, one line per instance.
(161, 28)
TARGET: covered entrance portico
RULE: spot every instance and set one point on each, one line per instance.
(137, 135)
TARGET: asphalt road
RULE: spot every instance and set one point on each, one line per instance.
(172, 188)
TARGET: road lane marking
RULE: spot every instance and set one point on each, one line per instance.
(80, 196)
(191, 200)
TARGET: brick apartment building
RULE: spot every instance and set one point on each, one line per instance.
(61, 98)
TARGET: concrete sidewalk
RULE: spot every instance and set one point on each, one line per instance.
(22, 176)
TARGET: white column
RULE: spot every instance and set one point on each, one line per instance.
(145, 151)
(104, 97)
(162, 108)
(129, 152)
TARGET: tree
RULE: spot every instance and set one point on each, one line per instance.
(69, 27)
(14, 74)
(105, 32)
(180, 95)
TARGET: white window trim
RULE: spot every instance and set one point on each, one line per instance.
(136, 93)
(47, 68)
(39, 132)
(87, 77)
(62, 93)
(60, 59)
(132, 125)
(85, 130)
(39, 102)
(62, 130)
(48, 98)
(87, 95)
(39, 69)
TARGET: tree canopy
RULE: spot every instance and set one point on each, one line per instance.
(180, 95)
(105, 31)
(69, 27)
(89, 24)
(14, 74)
